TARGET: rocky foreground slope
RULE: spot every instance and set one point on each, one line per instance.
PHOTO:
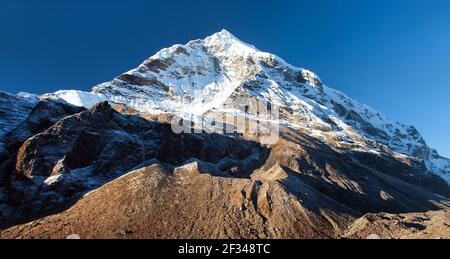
(106, 164)
(196, 185)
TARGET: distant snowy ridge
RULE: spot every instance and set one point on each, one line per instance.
(221, 67)
(78, 98)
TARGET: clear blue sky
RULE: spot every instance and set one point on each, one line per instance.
(391, 54)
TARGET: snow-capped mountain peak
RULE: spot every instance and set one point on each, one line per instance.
(332, 157)
(222, 67)
(226, 40)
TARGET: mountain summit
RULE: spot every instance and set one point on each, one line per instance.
(221, 67)
(108, 164)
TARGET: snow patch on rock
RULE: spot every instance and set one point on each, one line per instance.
(80, 98)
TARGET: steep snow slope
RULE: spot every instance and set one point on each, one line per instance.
(203, 74)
